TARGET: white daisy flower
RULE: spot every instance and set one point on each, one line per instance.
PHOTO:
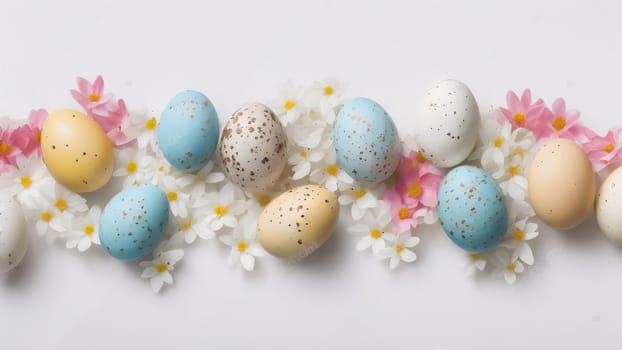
(26, 181)
(506, 266)
(258, 201)
(159, 169)
(360, 201)
(330, 175)
(243, 243)
(177, 197)
(399, 251)
(209, 177)
(84, 230)
(521, 232)
(328, 94)
(290, 106)
(135, 165)
(221, 209)
(375, 230)
(512, 178)
(158, 270)
(303, 160)
(49, 223)
(142, 127)
(519, 208)
(67, 201)
(501, 144)
(475, 262)
(307, 132)
(193, 226)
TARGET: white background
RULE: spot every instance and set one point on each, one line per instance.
(391, 51)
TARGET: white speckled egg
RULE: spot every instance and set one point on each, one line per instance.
(253, 148)
(446, 123)
(296, 223)
(608, 206)
(13, 235)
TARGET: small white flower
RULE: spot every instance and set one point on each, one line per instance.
(307, 132)
(243, 243)
(159, 169)
(158, 269)
(221, 209)
(360, 199)
(84, 230)
(399, 251)
(375, 230)
(64, 200)
(328, 94)
(519, 208)
(135, 165)
(304, 160)
(512, 179)
(475, 262)
(330, 175)
(290, 106)
(142, 127)
(520, 233)
(26, 181)
(177, 197)
(506, 266)
(49, 223)
(193, 226)
(209, 177)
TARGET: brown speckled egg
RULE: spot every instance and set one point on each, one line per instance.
(253, 148)
(76, 151)
(562, 185)
(296, 223)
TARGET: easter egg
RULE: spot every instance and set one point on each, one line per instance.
(608, 204)
(446, 124)
(562, 184)
(253, 148)
(188, 131)
(472, 209)
(76, 151)
(296, 223)
(366, 141)
(134, 222)
(13, 234)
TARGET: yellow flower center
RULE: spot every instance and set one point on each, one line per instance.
(161, 267)
(559, 123)
(242, 246)
(186, 225)
(609, 148)
(403, 213)
(89, 229)
(26, 181)
(414, 190)
(332, 169)
(61, 205)
(131, 167)
(304, 154)
(520, 118)
(38, 136)
(420, 157)
(328, 90)
(511, 267)
(375, 233)
(221, 210)
(514, 170)
(399, 248)
(519, 152)
(498, 141)
(289, 104)
(151, 123)
(172, 196)
(46, 216)
(475, 256)
(93, 97)
(262, 199)
(5, 149)
(360, 193)
(519, 234)
(161, 168)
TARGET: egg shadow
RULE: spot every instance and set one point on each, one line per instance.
(22, 274)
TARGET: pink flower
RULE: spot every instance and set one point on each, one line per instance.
(112, 123)
(33, 132)
(522, 113)
(91, 96)
(9, 149)
(606, 150)
(559, 122)
(403, 218)
(417, 182)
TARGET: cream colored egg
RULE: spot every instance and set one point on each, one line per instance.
(562, 184)
(609, 207)
(296, 223)
(13, 235)
(76, 151)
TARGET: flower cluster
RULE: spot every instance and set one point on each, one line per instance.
(20, 141)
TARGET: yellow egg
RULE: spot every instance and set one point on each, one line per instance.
(562, 184)
(296, 223)
(76, 151)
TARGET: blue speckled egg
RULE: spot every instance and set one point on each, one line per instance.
(472, 209)
(188, 131)
(134, 222)
(366, 140)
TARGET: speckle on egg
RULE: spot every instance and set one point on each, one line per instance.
(13, 234)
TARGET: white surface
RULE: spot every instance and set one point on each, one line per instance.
(240, 51)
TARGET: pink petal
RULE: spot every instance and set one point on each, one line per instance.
(98, 85)
(559, 107)
(84, 86)
(512, 101)
(526, 98)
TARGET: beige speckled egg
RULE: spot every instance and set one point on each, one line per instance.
(253, 148)
(76, 151)
(296, 223)
(562, 184)
(608, 206)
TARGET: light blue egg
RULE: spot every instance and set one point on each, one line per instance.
(472, 209)
(134, 222)
(366, 140)
(188, 131)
